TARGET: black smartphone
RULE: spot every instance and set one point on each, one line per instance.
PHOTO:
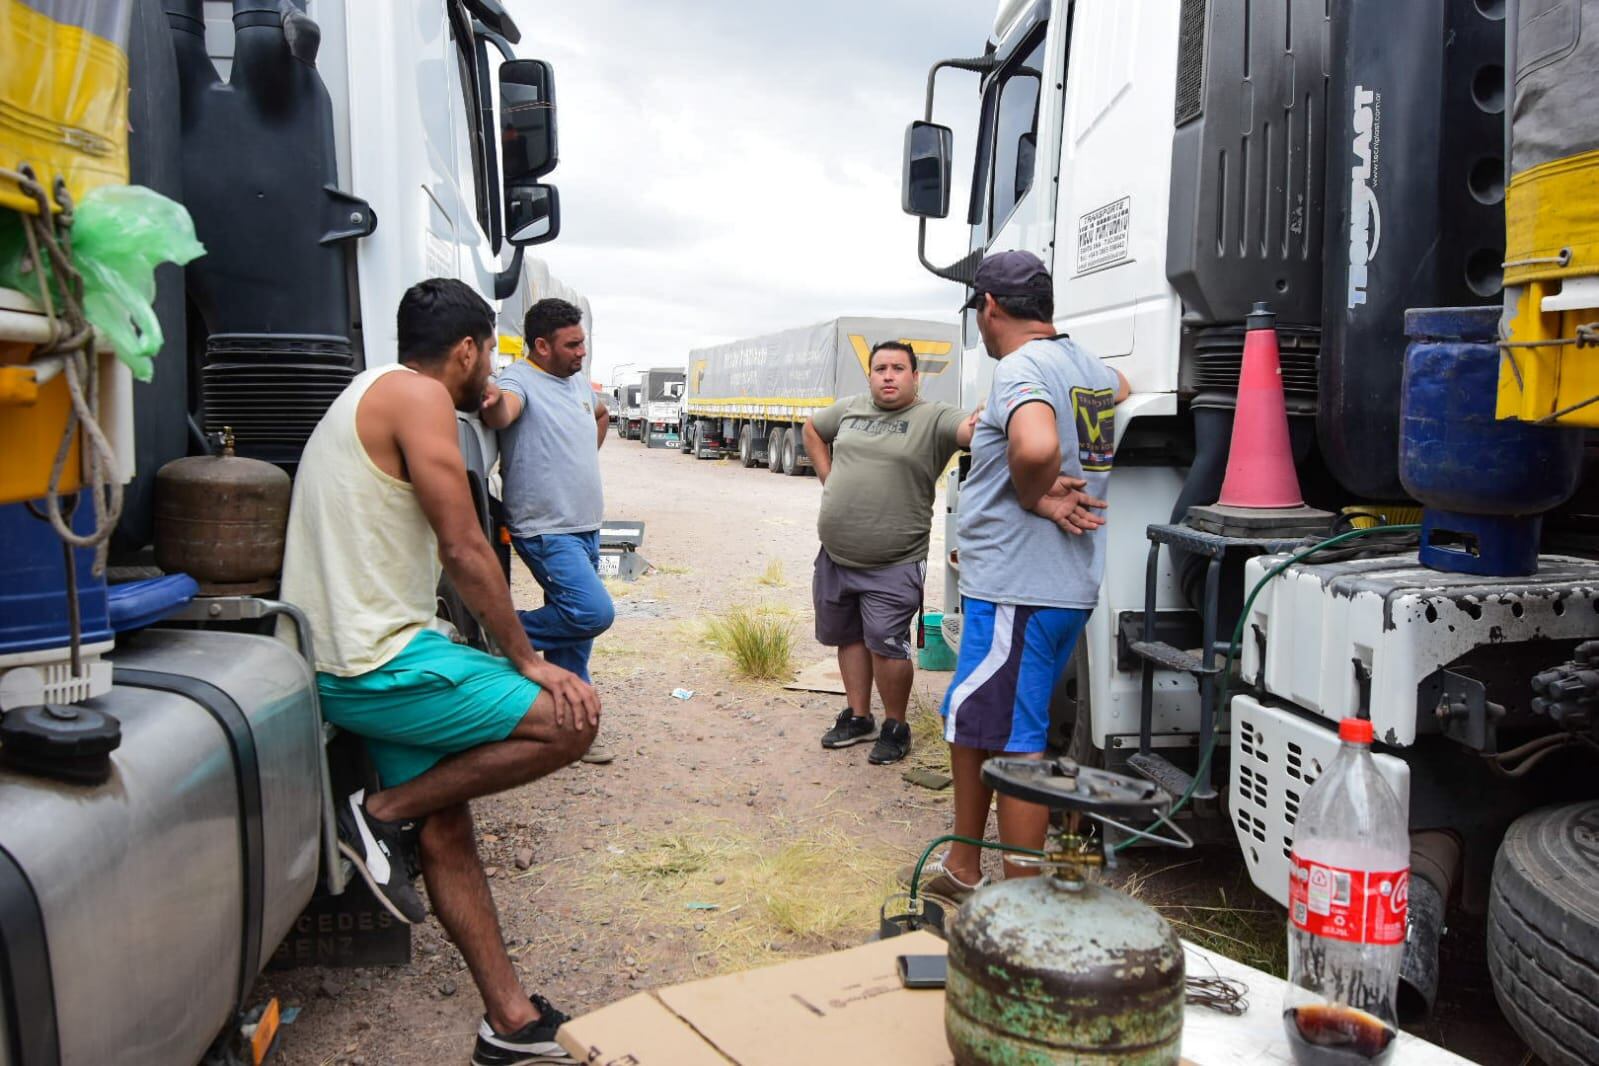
(922, 971)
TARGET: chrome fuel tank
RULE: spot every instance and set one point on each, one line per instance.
(135, 914)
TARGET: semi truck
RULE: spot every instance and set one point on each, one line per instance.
(631, 408)
(661, 398)
(751, 397)
(167, 781)
(1175, 162)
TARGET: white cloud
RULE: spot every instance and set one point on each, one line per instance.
(730, 169)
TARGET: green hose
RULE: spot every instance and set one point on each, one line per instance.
(1227, 668)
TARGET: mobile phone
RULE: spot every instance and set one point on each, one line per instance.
(922, 971)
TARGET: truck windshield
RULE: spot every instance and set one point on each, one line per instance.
(1008, 140)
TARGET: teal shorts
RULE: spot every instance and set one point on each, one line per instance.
(433, 699)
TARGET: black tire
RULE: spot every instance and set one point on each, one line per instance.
(774, 450)
(1543, 932)
(700, 450)
(746, 446)
(791, 453)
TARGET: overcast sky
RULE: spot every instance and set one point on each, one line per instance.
(728, 169)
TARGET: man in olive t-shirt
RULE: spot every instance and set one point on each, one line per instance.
(879, 458)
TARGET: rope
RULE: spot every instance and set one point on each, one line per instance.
(49, 237)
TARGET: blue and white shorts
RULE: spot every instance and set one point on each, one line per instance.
(1011, 656)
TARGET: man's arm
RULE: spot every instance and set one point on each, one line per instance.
(968, 429)
(500, 407)
(427, 439)
(602, 422)
(1033, 451)
(1123, 389)
(819, 451)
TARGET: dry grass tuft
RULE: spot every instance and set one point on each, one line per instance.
(789, 889)
(1236, 921)
(617, 588)
(929, 751)
(759, 642)
(772, 576)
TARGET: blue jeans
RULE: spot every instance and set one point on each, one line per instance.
(576, 606)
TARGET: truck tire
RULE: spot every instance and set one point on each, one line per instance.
(774, 450)
(746, 447)
(791, 450)
(1543, 932)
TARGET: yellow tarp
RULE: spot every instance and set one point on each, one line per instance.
(64, 93)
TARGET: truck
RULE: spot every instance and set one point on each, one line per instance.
(661, 397)
(167, 778)
(751, 397)
(1174, 162)
(631, 410)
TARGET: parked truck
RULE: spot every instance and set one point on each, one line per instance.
(168, 788)
(1174, 162)
(752, 397)
(631, 408)
(661, 397)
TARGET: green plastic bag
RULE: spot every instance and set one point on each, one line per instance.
(120, 234)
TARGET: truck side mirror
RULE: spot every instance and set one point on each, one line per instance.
(527, 120)
(532, 213)
(929, 149)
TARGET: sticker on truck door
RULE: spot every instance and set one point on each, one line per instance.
(1102, 235)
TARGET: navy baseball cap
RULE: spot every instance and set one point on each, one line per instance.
(1009, 274)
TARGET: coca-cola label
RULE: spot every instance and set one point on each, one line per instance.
(1358, 906)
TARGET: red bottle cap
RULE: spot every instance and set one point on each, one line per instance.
(1355, 730)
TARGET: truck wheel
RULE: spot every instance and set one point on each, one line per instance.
(1543, 932)
(774, 450)
(685, 439)
(746, 447)
(791, 461)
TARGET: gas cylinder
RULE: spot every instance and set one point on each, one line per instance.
(1058, 969)
(222, 520)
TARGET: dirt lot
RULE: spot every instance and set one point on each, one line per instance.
(722, 836)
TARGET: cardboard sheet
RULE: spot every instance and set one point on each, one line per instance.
(822, 676)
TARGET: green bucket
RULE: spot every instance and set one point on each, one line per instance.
(935, 654)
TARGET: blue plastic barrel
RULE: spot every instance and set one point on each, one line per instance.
(34, 614)
(1484, 483)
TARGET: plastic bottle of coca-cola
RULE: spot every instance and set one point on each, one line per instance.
(1349, 882)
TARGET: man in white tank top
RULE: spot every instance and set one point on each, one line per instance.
(381, 505)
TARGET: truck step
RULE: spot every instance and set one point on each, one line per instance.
(1172, 778)
(1169, 658)
(950, 629)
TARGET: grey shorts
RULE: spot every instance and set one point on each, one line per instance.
(876, 606)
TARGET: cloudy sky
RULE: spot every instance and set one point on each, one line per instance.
(728, 168)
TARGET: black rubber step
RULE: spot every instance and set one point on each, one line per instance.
(1170, 658)
(1172, 778)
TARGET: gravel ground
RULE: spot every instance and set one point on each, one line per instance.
(739, 761)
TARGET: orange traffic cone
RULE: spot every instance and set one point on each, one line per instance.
(1260, 460)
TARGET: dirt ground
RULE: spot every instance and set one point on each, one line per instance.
(723, 835)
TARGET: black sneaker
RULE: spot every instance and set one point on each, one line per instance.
(534, 1042)
(378, 850)
(849, 729)
(893, 743)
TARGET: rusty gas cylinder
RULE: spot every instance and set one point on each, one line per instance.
(222, 520)
(1049, 971)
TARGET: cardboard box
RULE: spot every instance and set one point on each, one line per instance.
(844, 1007)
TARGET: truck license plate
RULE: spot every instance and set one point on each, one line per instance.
(610, 565)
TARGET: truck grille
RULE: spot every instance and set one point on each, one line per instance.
(272, 389)
(1215, 358)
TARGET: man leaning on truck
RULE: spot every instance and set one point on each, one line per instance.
(1047, 431)
(879, 457)
(380, 503)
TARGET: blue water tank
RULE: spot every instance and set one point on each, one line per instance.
(1485, 483)
(34, 613)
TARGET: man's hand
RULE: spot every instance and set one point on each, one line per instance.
(963, 436)
(576, 702)
(499, 408)
(1066, 505)
(491, 396)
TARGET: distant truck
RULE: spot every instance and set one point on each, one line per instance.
(751, 397)
(631, 413)
(662, 399)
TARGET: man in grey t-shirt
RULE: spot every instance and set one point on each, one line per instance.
(879, 457)
(1042, 446)
(551, 427)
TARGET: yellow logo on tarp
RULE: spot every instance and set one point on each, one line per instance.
(512, 345)
(932, 357)
(696, 375)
